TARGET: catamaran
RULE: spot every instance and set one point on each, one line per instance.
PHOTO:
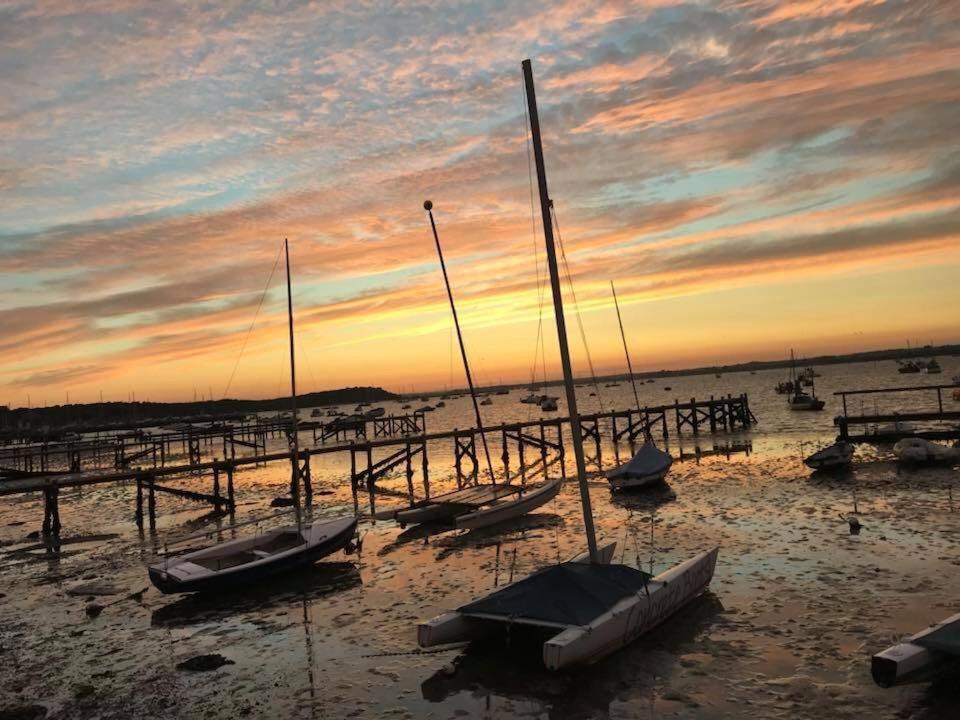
(242, 562)
(587, 607)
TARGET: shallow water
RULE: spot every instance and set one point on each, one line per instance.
(795, 610)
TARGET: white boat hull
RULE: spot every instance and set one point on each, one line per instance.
(632, 616)
(906, 662)
(509, 509)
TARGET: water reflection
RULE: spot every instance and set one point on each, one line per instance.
(308, 584)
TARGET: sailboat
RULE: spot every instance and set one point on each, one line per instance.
(479, 505)
(242, 562)
(650, 464)
(587, 607)
(799, 400)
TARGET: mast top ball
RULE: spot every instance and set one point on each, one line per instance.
(427, 205)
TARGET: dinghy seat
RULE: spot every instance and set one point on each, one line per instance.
(565, 595)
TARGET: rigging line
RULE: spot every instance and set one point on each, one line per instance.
(250, 329)
(576, 305)
(626, 352)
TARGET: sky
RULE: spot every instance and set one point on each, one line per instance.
(752, 175)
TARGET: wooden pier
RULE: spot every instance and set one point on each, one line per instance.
(535, 446)
(878, 434)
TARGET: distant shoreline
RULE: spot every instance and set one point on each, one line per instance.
(754, 365)
(118, 415)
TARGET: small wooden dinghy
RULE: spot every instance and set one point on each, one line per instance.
(650, 465)
(840, 454)
(917, 451)
(249, 560)
(589, 609)
(920, 657)
(475, 506)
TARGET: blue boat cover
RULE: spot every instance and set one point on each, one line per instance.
(945, 639)
(567, 594)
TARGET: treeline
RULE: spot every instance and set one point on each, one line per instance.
(115, 414)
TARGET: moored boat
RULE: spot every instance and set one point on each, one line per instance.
(838, 455)
(589, 607)
(649, 466)
(239, 563)
(244, 561)
(918, 451)
(604, 607)
(920, 657)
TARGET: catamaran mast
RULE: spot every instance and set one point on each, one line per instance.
(545, 205)
(626, 352)
(428, 206)
(295, 424)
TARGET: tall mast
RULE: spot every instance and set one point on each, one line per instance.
(545, 205)
(626, 352)
(428, 206)
(295, 450)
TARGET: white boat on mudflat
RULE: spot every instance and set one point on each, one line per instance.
(650, 465)
(918, 451)
(595, 608)
(508, 508)
(249, 560)
(920, 657)
(475, 506)
(838, 455)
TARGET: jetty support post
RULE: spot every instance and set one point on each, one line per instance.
(51, 510)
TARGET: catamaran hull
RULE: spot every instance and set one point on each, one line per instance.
(906, 662)
(605, 634)
(251, 574)
(631, 617)
(511, 509)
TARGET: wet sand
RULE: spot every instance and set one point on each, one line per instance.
(795, 610)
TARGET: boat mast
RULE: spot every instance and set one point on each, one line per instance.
(545, 206)
(626, 352)
(295, 449)
(428, 206)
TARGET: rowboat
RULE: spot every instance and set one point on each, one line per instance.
(604, 606)
(917, 451)
(920, 657)
(840, 454)
(650, 465)
(250, 560)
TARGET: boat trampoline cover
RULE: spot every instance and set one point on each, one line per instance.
(945, 639)
(567, 594)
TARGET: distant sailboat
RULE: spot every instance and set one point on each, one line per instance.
(240, 563)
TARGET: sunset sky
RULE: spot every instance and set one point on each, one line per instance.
(753, 175)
